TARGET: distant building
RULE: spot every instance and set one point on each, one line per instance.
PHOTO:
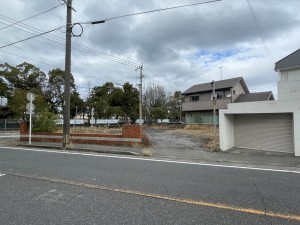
(198, 98)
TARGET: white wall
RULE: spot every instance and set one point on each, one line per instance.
(289, 85)
(227, 121)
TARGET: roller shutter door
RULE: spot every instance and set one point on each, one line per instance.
(271, 132)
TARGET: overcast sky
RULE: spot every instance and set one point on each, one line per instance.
(179, 47)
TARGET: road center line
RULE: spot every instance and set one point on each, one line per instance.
(161, 197)
(152, 160)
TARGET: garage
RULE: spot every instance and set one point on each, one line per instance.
(264, 131)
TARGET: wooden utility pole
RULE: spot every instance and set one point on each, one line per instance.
(66, 127)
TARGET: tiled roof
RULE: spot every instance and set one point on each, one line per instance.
(220, 84)
(288, 62)
(254, 97)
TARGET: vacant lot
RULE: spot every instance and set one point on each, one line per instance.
(180, 143)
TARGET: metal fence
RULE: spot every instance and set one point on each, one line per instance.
(198, 119)
(9, 124)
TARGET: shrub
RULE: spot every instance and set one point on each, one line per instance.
(44, 122)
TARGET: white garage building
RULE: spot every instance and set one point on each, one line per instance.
(267, 125)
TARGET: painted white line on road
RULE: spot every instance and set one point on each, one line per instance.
(153, 160)
(9, 136)
(2, 174)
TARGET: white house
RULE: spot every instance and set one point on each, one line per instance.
(289, 69)
(267, 125)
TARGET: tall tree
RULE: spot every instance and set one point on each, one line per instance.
(19, 102)
(110, 101)
(174, 105)
(55, 92)
(24, 76)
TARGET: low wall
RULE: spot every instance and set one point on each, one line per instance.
(131, 135)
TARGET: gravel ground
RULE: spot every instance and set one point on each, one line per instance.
(177, 143)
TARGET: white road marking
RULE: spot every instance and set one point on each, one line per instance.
(9, 136)
(2, 174)
(153, 160)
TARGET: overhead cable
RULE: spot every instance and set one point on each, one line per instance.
(4, 46)
(150, 11)
(260, 32)
(48, 10)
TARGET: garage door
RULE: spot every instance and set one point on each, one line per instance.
(271, 132)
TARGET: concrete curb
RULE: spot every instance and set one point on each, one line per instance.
(82, 149)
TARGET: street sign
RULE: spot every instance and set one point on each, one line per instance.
(28, 107)
(30, 96)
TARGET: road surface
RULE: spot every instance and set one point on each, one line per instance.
(56, 187)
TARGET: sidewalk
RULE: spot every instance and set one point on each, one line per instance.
(231, 157)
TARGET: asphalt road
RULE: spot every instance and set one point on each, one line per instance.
(48, 187)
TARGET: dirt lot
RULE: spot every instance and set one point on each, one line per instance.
(191, 137)
(180, 142)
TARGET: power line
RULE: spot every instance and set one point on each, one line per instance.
(76, 46)
(260, 32)
(26, 58)
(151, 11)
(93, 51)
(4, 46)
(17, 22)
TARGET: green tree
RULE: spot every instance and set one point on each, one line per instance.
(130, 101)
(109, 101)
(19, 102)
(24, 76)
(55, 90)
(174, 106)
(76, 104)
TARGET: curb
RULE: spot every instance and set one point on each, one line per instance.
(82, 149)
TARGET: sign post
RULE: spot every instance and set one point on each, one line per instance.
(30, 107)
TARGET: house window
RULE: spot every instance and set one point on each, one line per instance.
(194, 98)
(219, 94)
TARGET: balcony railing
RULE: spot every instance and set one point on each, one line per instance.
(205, 105)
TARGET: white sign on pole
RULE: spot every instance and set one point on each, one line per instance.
(30, 96)
(30, 107)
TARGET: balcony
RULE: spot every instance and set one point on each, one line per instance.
(205, 105)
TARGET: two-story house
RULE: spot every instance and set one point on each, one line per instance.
(198, 98)
(267, 125)
(289, 70)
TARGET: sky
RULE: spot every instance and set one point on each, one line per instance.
(178, 48)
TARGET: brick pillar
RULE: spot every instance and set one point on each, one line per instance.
(23, 128)
(132, 131)
(23, 131)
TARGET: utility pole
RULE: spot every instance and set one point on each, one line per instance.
(221, 72)
(66, 127)
(214, 111)
(141, 93)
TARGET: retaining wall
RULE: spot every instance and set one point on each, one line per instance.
(131, 135)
